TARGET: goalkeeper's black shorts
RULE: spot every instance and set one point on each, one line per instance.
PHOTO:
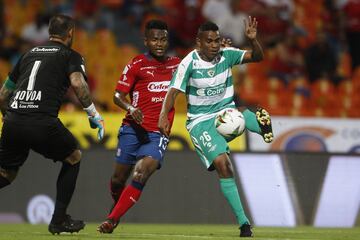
(50, 138)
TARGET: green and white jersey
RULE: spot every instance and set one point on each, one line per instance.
(208, 85)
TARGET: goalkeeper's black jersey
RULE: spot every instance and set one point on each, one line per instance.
(42, 79)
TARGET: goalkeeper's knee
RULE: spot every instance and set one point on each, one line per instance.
(9, 174)
(74, 157)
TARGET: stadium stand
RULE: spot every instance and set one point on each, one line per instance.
(255, 85)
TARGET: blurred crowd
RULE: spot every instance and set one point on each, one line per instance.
(312, 50)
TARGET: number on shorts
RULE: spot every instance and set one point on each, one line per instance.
(205, 138)
(163, 142)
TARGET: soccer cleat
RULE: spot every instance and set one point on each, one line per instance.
(245, 230)
(264, 120)
(111, 209)
(108, 226)
(68, 225)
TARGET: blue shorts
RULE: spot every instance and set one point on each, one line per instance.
(130, 150)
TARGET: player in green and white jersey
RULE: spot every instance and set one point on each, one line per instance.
(205, 77)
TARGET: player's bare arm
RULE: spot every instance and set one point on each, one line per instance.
(121, 101)
(168, 104)
(256, 53)
(5, 93)
(81, 88)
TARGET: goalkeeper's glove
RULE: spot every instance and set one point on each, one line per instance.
(95, 120)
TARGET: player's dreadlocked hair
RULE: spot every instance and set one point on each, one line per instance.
(208, 26)
(59, 25)
(155, 24)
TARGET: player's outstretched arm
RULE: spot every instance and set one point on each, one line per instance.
(5, 92)
(256, 53)
(121, 101)
(82, 92)
(168, 104)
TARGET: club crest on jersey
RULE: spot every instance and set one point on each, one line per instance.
(211, 72)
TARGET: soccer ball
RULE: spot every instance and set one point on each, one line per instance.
(230, 123)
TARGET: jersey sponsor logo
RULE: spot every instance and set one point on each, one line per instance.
(126, 69)
(25, 99)
(28, 96)
(14, 105)
(45, 49)
(212, 91)
(157, 99)
(121, 82)
(172, 66)
(158, 86)
(137, 61)
(149, 67)
(135, 100)
(200, 72)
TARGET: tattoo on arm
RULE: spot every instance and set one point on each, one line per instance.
(4, 98)
(81, 88)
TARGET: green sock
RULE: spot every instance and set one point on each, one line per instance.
(230, 191)
(250, 121)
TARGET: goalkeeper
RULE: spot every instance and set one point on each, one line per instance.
(204, 75)
(30, 100)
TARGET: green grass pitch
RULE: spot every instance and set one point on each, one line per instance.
(178, 232)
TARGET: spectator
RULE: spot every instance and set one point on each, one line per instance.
(137, 9)
(11, 48)
(185, 20)
(36, 32)
(287, 62)
(2, 22)
(274, 16)
(85, 11)
(127, 32)
(351, 27)
(60, 7)
(331, 25)
(320, 60)
(226, 14)
(109, 13)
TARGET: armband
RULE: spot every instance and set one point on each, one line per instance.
(9, 84)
